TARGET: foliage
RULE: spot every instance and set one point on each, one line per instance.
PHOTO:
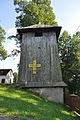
(69, 51)
(17, 38)
(24, 104)
(15, 77)
(3, 53)
(33, 12)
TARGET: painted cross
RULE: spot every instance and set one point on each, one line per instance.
(34, 66)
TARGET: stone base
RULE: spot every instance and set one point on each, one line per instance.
(53, 94)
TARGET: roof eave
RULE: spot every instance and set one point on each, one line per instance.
(54, 29)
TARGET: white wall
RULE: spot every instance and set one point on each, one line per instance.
(9, 77)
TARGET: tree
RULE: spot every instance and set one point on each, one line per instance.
(3, 52)
(15, 77)
(69, 51)
(34, 11)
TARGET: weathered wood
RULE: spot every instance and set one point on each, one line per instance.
(41, 54)
(44, 50)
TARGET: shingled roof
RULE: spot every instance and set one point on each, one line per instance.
(4, 71)
(39, 27)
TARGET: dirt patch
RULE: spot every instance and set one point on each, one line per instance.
(30, 118)
(15, 118)
(6, 118)
(3, 118)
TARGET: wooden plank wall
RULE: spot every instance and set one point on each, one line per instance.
(45, 51)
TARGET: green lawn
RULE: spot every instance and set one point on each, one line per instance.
(23, 103)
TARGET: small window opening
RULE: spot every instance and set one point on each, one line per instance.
(10, 81)
(39, 47)
(38, 34)
(3, 81)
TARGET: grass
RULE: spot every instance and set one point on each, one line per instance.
(23, 103)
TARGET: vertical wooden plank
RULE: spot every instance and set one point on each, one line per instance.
(44, 50)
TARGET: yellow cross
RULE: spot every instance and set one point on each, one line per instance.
(34, 66)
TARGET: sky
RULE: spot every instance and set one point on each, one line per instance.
(67, 14)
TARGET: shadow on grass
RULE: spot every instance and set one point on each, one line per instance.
(28, 104)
